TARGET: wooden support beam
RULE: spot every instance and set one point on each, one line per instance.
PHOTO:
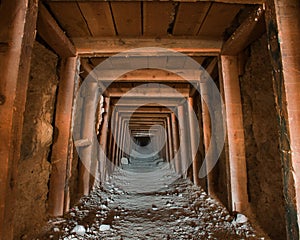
(169, 140)
(157, 75)
(83, 142)
(221, 1)
(158, 109)
(17, 35)
(98, 46)
(183, 135)
(88, 131)
(236, 139)
(282, 22)
(103, 140)
(175, 138)
(53, 35)
(193, 137)
(152, 102)
(207, 134)
(60, 149)
(148, 92)
(89, 70)
(239, 40)
(141, 75)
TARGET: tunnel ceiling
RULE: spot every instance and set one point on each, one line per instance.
(100, 29)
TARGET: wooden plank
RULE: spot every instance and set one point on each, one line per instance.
(49, 30)
(70, 18)
(94, 46)
(221, 1)
(127, 16)
(157, 17)
(190, 17)
(218, 19)
(98, 17)
(240, 38)
(14, 67)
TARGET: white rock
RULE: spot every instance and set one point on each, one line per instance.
(240, 218)
(124, 160)
(79, 230)
(104, 227)
(104, 207)
(56, 229)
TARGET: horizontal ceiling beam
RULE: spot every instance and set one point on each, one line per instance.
(148, 92)
(98, 46)
(124, 109)
(157, 75)
(53, 35)
(221, 1)
(146, 75)
(151, 102)
(144, 115)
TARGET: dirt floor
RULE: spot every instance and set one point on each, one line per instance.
(147, 200)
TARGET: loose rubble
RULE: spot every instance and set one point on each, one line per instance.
(177, 210)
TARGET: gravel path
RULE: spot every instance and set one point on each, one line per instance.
(148, 200)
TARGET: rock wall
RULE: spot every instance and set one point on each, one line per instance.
(265, 187)
(34, 167)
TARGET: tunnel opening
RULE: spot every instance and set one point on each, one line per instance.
(143, 141)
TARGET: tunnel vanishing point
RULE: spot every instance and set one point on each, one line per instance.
(209, 86)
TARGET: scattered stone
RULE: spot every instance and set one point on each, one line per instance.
(104, 227)
(79, 230)
(240, 218)
(124, 160)
(154, 207)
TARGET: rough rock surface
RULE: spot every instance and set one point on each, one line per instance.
(34, 168)
(262, 142)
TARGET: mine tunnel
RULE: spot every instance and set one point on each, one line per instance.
(149, 119)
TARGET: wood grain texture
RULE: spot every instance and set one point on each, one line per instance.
(98, 17)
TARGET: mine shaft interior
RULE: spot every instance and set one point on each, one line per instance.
(149, 119)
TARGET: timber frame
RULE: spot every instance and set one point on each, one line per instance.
(28, 16)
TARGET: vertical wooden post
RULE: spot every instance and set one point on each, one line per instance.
(175, 133)
(236, 140)
(60, 149)
(122, 142)
(194, 147)
(128, 140)
(183, 140)
(283, 28)
(87, 132)
(206, 119)
(18, 21)
(103, 139)
(169, 139)
(114, 145)
(118, 140)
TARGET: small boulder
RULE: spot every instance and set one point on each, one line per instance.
(79, 230)
(124, 160)
(240, 218)
(104, 227)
